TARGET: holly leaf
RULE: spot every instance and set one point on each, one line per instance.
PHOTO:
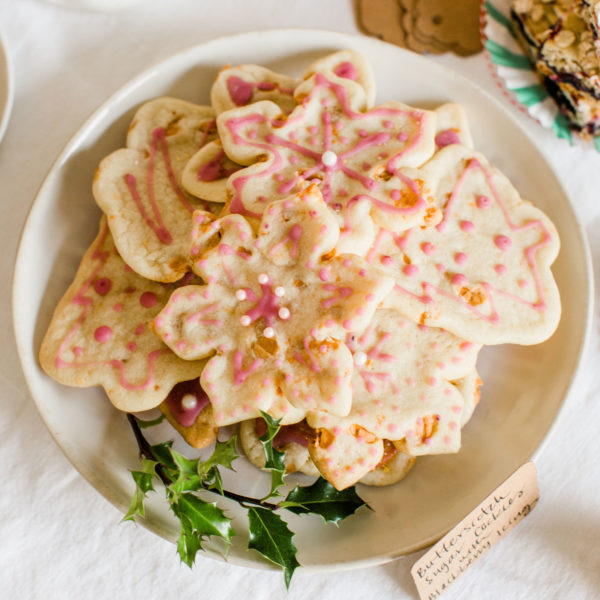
(323, 499)
(187, 478)
(224, 454)
(273, 458)
(202, 518)
(145, 424)
(143, 485)
(212, 480)
(188, 544)
(270, 536)
(162, 453)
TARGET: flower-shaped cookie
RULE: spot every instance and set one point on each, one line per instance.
(483, 272)
(403, 378)
(100, 333)
(139, 187)
(353, 155)
(275, 311)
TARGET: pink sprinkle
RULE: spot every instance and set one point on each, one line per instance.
(465, 346)
(522, 283)
(460, 258)
(467, 226)
(392, 428)
(323, 349)
(483, 202)
(337, 430)
(456, 409)
(431, 381)
(346, 262)
(246, 408)
(452, 425)
(103, 286)
(77, 350)
(294, 159)
(344, 139)
(502, 242)
(324, 274)
(447, 440)
(313, 130)
(388, 124)
(386, 261)
(428, 441)
(195, 250)
(149, 299)
(402, 137)
(159, 322)
(118, 307)
(103, 334)
(409, 433)
(410, 270)
(330, 323)
(365, 166)
(427, 248)
(363, 133)
(181, 345)
(500, 269)
(132, 346)
(323, 229)
(314, 332)
(395, 195)
(372, 451)
(206, 294)
(410, 382)
(362, 273)
(360, 310)
(347, 324)
(309, 264)
(459, 279)
(370, 297)
(440, 267)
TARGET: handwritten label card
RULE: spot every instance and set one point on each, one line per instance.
(481, 529)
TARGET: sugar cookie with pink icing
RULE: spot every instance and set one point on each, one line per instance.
(275, 310)
(402, 375)
(100, 333)
(452, 126)
(347, 64)
(355, 156)
(139, 187)
(483, 273)
(393, 467)
(188, 410)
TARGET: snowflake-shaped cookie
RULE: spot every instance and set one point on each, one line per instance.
(100, 334)
(275, 311)
(483, 272)
(139, 187)
(403, 374)
(353, 155)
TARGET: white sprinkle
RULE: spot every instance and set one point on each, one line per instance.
(284, 313)
(241, 295)
(263, 278)
(269, 332)
(329, 158)
(279, 291)
(245, 320)
(360, 358)
(189, 401)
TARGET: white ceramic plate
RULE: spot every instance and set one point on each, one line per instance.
(524, 387)
(6, 88)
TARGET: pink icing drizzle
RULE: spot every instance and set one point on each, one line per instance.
(446, 137)
(186, 417)
(346, 70)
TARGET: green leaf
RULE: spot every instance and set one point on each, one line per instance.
(323, 499)
(212, 480)
(270, 536)
(201, 517)
(162, 453)
(145, 424)
(188, 544)
(143, 485)
(273, 458)
(224, 454)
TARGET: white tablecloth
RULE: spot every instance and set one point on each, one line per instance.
(58, 537)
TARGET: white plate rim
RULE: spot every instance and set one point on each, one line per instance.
(7, 75)
(329, 37)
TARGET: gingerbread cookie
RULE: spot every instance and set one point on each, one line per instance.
(100, 334)
(354, 156)
(139, 187)
(483, 273)
(275, 311)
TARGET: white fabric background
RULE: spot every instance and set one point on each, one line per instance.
(58, 537)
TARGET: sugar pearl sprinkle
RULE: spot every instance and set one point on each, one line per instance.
(189, 402)
(284, 313)
(263, 279)
(245, 320)
(269, 332)
(329, 158)
(241, 295)
(360, 358)
(279, 291)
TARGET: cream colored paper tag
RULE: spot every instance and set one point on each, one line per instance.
(485, 526)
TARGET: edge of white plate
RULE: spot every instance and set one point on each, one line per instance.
(329, 37)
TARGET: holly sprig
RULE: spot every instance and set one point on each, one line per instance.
(186, 479)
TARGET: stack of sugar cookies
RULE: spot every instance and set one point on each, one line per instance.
(297, 249)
